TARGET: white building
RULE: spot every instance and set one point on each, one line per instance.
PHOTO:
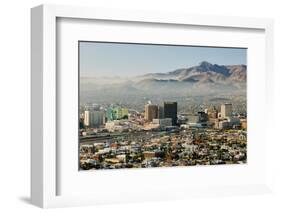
(87, 118)
(117, 125)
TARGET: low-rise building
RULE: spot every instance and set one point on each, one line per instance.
(163, 123)
(224, 124)
(243, 123)
(148, 154)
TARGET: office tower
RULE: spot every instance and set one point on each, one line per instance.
(150, 112)
(94, 118)
(212, 112)
(121, 113)
(110, 116)
(98, 118)
(87, 118)
(170, 111)
(160, 112)
(116, 113)
(226, 110)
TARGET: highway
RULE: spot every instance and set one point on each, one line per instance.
(105, 137)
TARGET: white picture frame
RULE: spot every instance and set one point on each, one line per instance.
(44, 154)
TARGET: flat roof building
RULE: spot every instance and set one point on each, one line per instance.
(226, 110)
(150, 112)
(171, 111)
(94, 118)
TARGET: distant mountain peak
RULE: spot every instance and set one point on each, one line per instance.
(203, 79)
(205, 64)
(204, 73)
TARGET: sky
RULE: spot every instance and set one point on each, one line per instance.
(121, 59)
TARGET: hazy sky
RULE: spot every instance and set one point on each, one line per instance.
(114, 59)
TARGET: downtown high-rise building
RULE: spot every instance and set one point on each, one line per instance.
(94, 118)
(226, 110)
(212, 112)
(160, 112)
(116, 113)
(150, 112)
(171, 111)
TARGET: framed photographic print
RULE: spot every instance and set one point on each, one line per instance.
(129, 106)
(132, 115)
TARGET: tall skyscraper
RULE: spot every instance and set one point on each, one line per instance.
(94, 118)
(87, 118)
(110, 115)
(160, 112)
(150, 112)
(98, 118)
(171, 111)
(226, 110)
(212, 112)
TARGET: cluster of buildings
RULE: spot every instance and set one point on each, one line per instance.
(168, 110)
(119, 118)
(225, 119)
(95, 117)
(209, 118)
(116, 137)
(164, 149)
(159, 117)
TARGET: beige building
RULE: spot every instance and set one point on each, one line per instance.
(244, 123)
(226, 110)
(150, 112)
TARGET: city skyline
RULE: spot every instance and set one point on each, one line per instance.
(191, 109)
(100, 59)
(129, 139)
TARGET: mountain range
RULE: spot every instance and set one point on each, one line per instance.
(201, 80)
(205, 72)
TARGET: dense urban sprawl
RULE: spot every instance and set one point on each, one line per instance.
(116, 137)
